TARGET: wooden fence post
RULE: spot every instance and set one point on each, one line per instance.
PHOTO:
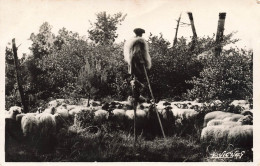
(194, 38)
(18, 78)
(176, 32)
(220, 32)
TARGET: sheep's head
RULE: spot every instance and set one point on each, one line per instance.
(246, 120)
(52, 110)
(16, 110)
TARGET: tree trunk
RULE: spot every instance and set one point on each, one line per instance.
(88, 99)
(176, 32)
(194, 38)
(18, 78)
(220, 32)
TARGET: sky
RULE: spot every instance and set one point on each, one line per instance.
(20, 18)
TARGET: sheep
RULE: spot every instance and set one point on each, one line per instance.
(101, 114)
(50, 110)
(216, 103)
(247, 112)
(146, 105)
(53, 103)
(95, 103)
(119, 112)
(216, 134)
(46, 123)
(47, 131)
(13, 111)
(244, 104)
(19, 119)
(241, 136)
(62, 111)
(238, 135)
(217, 122)
(139, 113)
(12, 128)
(246, 120)
(216, 115)
(77, 110)
(184, 112)
(233, 117)
(29, 125)
(70, 107)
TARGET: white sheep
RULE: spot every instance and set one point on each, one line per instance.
(139, 113)
(246, 120)
(217, 122)
(101, 114)
(242, 103)
(216, 134)
(29, 125)
(13, 111)
(184, 113)
(62, 111)
(50, 110)
(233, 117)
(247, 112)
(231, 134)
(70, 107)
(53, 103)
(47, 124)
(241, 135)
(119, 112)
(77, 110)
(216, 115)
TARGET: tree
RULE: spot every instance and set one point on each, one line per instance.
(103, 31)
(43, 41)
(229, 76)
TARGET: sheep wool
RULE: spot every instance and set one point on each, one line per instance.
(215, 122)
(214, 133)
(215, 115)
(50, 110)
(29, 125)
(62, 111)
(101, 114)
(130, 50)
(246, 120)
(13, 111)
(139, 113)
(233, 117)
(47, 124)
(119, 112)
(184, 113)
(241, 135)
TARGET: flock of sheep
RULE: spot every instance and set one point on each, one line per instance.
(229, 128)
(218, 125)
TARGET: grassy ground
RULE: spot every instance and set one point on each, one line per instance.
(112, 141)
(116, 146)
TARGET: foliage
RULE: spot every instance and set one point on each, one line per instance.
(67, 65)
(103, 31)
(228, 76)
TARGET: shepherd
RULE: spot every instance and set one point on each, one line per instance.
(137, 56)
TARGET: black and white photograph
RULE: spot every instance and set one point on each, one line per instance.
(108, 81)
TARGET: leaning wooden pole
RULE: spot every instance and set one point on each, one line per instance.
(176, 32)
(192, 25)
(18, 78)
(149, 85)
(220, 33)
(194, 37)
